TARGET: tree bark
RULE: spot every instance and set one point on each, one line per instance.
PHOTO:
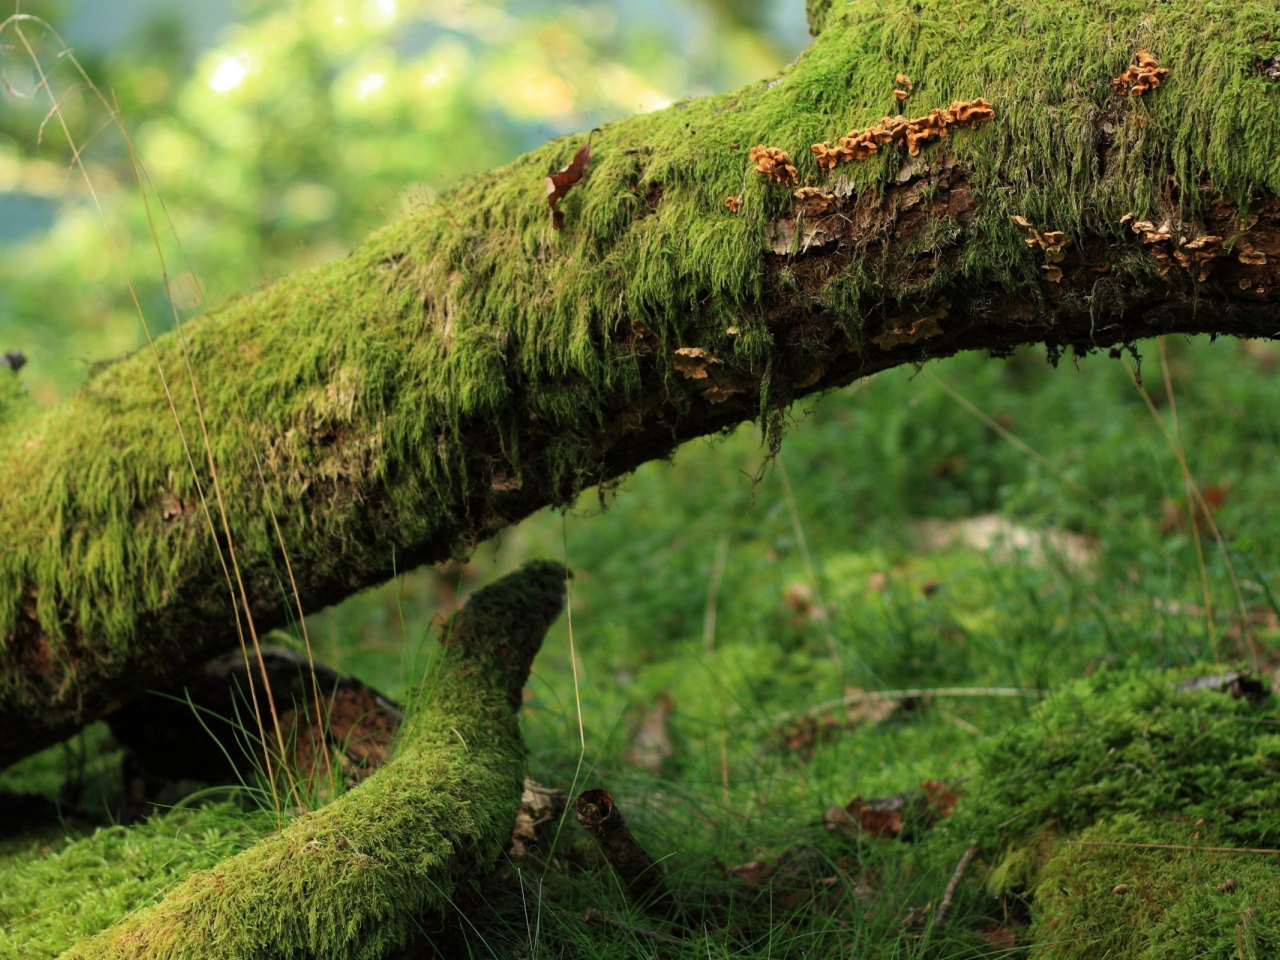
(470, 365)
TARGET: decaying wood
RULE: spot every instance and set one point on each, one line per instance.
(642, 877)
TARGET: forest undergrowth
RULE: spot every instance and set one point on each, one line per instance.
(906, 605)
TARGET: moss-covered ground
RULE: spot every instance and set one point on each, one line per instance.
(879, 476)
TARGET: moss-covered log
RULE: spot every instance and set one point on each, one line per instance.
(471, 364)
(354, 878)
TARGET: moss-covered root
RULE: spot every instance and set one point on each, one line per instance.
(351, 880)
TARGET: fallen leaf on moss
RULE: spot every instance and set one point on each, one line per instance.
(940, 797)
(889, 816)
(561, 182)
(869, 711)
(879, 818)
(781, 236)
(693, 362)
(1239, 685)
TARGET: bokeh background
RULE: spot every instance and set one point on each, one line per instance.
(976, 523)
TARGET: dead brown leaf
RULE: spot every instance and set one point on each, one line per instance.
(561, 182)
(942, 799)
(651, 745)
(1000, 936)
(869, 711)
(540, 811)
(753, 872)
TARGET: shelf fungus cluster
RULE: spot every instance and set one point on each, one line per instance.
(861, 144)
(814, 202)
(1172, 248)
(910, 329)
(697, 363)
(1053, 242)
(773, 163)
(1145, 73)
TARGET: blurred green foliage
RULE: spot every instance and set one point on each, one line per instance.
(307, 124)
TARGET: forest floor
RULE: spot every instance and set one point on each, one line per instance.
(1000, 550)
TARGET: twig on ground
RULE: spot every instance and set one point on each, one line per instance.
(872, 696)
(944, 907)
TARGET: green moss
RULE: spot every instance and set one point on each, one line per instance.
(1146, 904)
(368, 381)
(351, 879)
(56, 892)
(1130, 758)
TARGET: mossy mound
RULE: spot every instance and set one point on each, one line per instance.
(1156, 904)
(58, 890)
(1132, 758)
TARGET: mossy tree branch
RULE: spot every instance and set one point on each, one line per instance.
(470, 365)
(353, 878)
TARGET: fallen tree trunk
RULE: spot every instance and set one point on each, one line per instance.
(354, 878)
(472, 364)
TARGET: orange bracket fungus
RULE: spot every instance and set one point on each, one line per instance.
(909, 330)
(1171, 247)
(1251, 257)
(860, 144)
(1052, 242)
(733, 203)
(693, 362)
(1145, 73)
(560, 183)
(814, 201)
(773, 163)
